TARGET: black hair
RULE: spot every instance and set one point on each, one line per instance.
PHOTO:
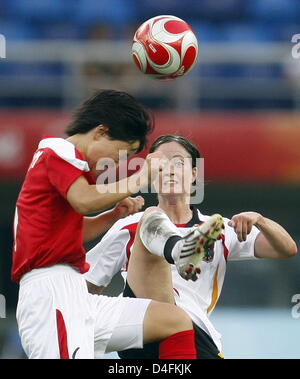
(125, 118)
(184, 142)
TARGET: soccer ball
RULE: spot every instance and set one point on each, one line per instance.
(164, 47)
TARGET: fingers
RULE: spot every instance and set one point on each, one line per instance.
(231, 223)
(156, 154)
(242, 224)
(241, 230)
(157, 161)
(134, 204)
(129, 206)
(138, 203)
(154, 163)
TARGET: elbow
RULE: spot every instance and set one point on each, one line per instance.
(79, 204)
(82, 208)
(293, 249)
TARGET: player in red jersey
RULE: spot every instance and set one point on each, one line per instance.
(57, 317)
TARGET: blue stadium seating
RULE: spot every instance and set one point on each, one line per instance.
(151, 8)
(41, 10)
(18, 31)
(60, 31)
(234, 21)
(224, 11)
(249, 32)
(265, 20)
(274, 10)
(208, 32)
(112, 12)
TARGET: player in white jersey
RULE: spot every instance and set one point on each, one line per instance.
(141, 249)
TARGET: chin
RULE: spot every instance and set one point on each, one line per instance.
(172, 194)
(172, 190)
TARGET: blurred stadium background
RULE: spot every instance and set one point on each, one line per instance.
(240, 104)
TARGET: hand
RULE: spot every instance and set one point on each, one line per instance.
(243, 222)
(154, 163)
(128, 206)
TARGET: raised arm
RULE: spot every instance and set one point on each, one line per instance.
(94, 226)
(86, 198)
(273, 241)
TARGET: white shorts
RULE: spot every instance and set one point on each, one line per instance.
(58, 318)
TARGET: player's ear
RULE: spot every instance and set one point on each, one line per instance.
(100, 131)
(194, 174)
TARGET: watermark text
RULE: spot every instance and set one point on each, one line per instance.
(2, 47)
(296, 47)
(176, 176)
(296, 307)
(2, 306)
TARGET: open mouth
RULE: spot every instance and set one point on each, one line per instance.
(170, 182)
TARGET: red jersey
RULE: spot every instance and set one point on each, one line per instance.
(47, 229)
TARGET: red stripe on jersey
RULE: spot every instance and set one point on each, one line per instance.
(132, 230)
(223, 243)
(62, 335)
(224, 246)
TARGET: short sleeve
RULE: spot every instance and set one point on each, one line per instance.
(108, 256)
(61, 173)
(240, 250)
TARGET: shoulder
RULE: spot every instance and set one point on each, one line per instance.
(123, 229)
(228, 231)
(64, 150)
(129, 221)
(203, 217)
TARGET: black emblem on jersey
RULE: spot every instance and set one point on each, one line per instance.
(75, 352)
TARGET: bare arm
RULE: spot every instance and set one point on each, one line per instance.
(273, 241)
(94, 226)
(86, 198)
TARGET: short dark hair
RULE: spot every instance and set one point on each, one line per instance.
(125, 118)
(184, 142)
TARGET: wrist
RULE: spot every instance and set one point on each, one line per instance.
(261, 221)
(113, 215)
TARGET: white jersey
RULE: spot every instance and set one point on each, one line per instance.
(198, 298)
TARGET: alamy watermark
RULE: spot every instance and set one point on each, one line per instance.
(296, 47)
(2, 306)
(296, 307)
(2, 46)
(174, 178)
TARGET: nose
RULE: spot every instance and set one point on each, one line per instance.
(170, 168)
(168, 171)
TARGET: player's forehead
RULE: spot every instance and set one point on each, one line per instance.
(173, 149)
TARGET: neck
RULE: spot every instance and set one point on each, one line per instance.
(78, 140)
(177, 209)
